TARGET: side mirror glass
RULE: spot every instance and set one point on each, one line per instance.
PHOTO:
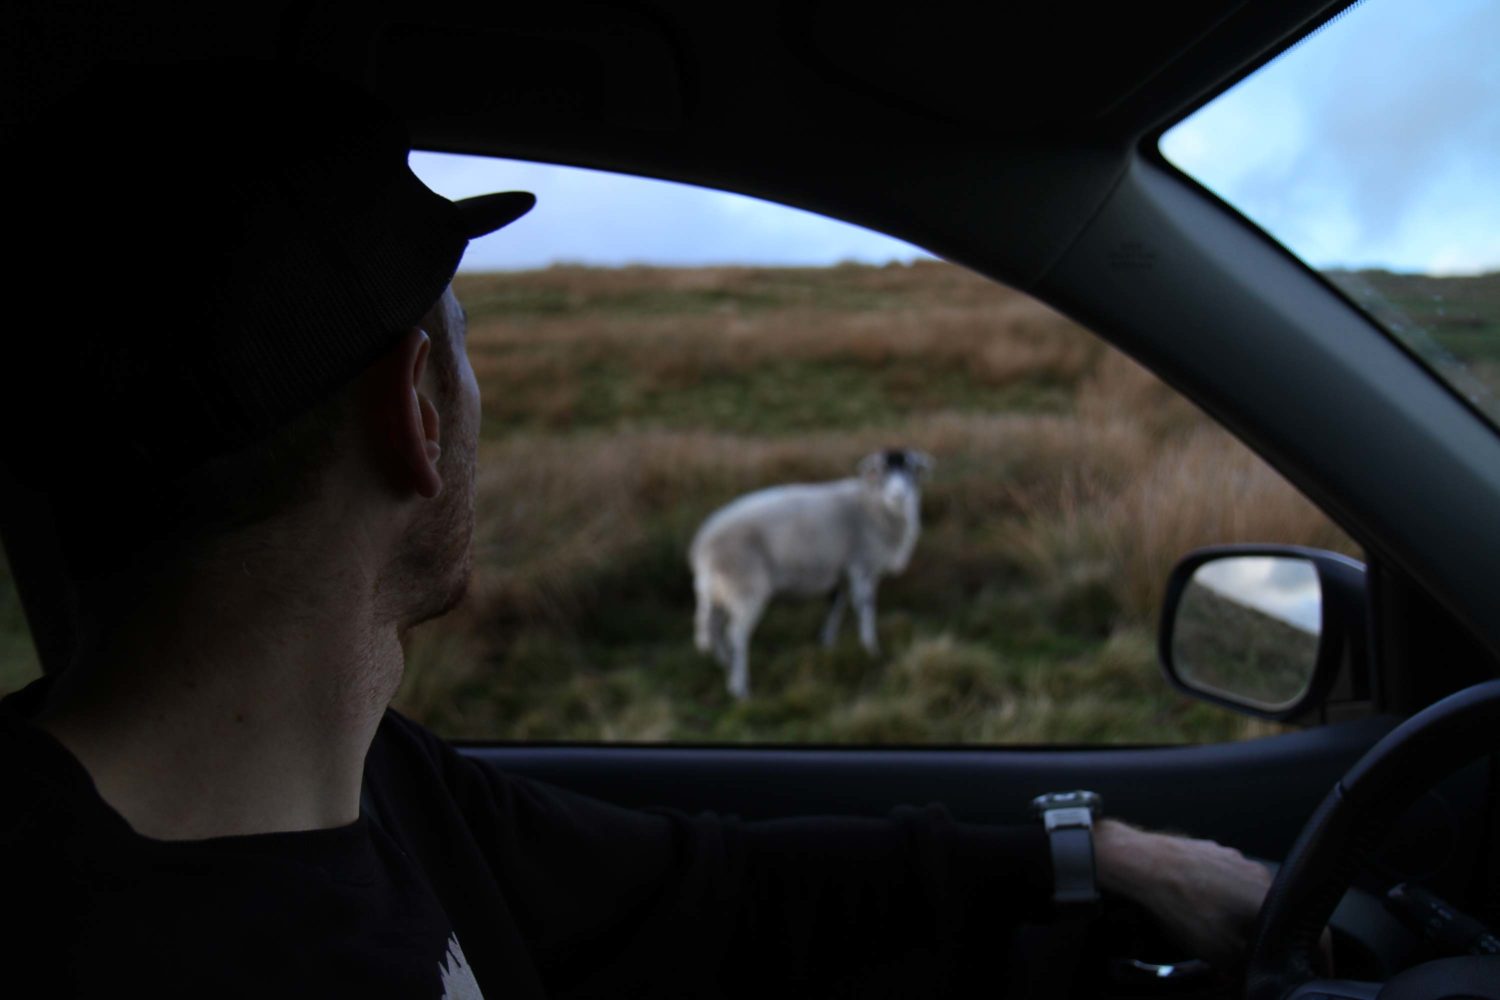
(1262, 630)
(1248, 628)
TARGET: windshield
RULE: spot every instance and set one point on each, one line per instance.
(1371, 150)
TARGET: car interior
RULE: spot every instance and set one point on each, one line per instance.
(1021, 144)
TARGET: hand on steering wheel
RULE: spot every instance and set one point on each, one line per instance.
(1345, 831)
(1204, 895)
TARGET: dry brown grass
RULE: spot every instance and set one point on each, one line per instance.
(1006, 340)
(1206, 489)
(924, 280)
(1120, 391)
(924, 315)
(1069, 496)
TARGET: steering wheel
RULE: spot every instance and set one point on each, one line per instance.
(1345, 831)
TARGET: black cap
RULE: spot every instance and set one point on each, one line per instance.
(206, 251)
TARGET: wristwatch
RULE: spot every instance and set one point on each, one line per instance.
(1069, 820)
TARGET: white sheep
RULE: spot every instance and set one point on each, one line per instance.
(804, 540)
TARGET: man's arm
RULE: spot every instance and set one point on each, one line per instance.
(626, 894)
(812, 900)
(1206, 895)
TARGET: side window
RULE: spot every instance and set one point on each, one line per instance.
(1346, 164)
(649, 353)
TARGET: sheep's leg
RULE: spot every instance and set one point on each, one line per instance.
(835, 616)
(703, 613)
(862, 592)
(742, 622)
(710, 619)
(719, 629)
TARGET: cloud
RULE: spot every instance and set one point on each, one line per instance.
(1284, 588)
(1375, 142)
(591, 217)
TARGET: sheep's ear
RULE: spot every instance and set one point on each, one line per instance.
(922, 462)
(871, 467)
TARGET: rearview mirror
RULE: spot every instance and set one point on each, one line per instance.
(1261, 629)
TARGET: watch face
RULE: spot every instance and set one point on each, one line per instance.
(1067, 800)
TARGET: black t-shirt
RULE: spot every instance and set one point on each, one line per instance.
(460, 881)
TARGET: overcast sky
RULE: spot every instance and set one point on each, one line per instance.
(1287, 589)
(589, 217)
(1375, 142)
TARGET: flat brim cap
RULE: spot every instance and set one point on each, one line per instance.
(485, 213)
(212, 249)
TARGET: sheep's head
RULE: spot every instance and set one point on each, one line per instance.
(896, 474)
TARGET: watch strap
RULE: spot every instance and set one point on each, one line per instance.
(1074, 886)
(1068, 818)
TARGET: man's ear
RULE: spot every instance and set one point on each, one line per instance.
(411, 433)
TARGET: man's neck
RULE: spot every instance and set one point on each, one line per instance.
(222, 710)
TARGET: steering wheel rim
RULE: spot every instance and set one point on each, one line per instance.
(1349, 825)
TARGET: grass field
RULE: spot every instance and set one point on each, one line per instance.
(1451, 323)
(624, 405)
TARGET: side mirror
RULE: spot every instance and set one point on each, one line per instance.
(1262, 629)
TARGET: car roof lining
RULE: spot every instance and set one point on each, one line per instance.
(1040, 66)
(799, 117)
(818, 105)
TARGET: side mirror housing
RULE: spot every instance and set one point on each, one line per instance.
(1262, 629)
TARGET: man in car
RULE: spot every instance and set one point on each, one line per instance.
(254, 420)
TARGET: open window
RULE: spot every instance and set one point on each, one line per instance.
(649, 352)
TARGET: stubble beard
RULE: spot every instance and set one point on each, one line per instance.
(438, 555)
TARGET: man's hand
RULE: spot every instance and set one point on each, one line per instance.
(1206, 895)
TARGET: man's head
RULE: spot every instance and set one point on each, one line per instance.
(431, 563)
(229, 268)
